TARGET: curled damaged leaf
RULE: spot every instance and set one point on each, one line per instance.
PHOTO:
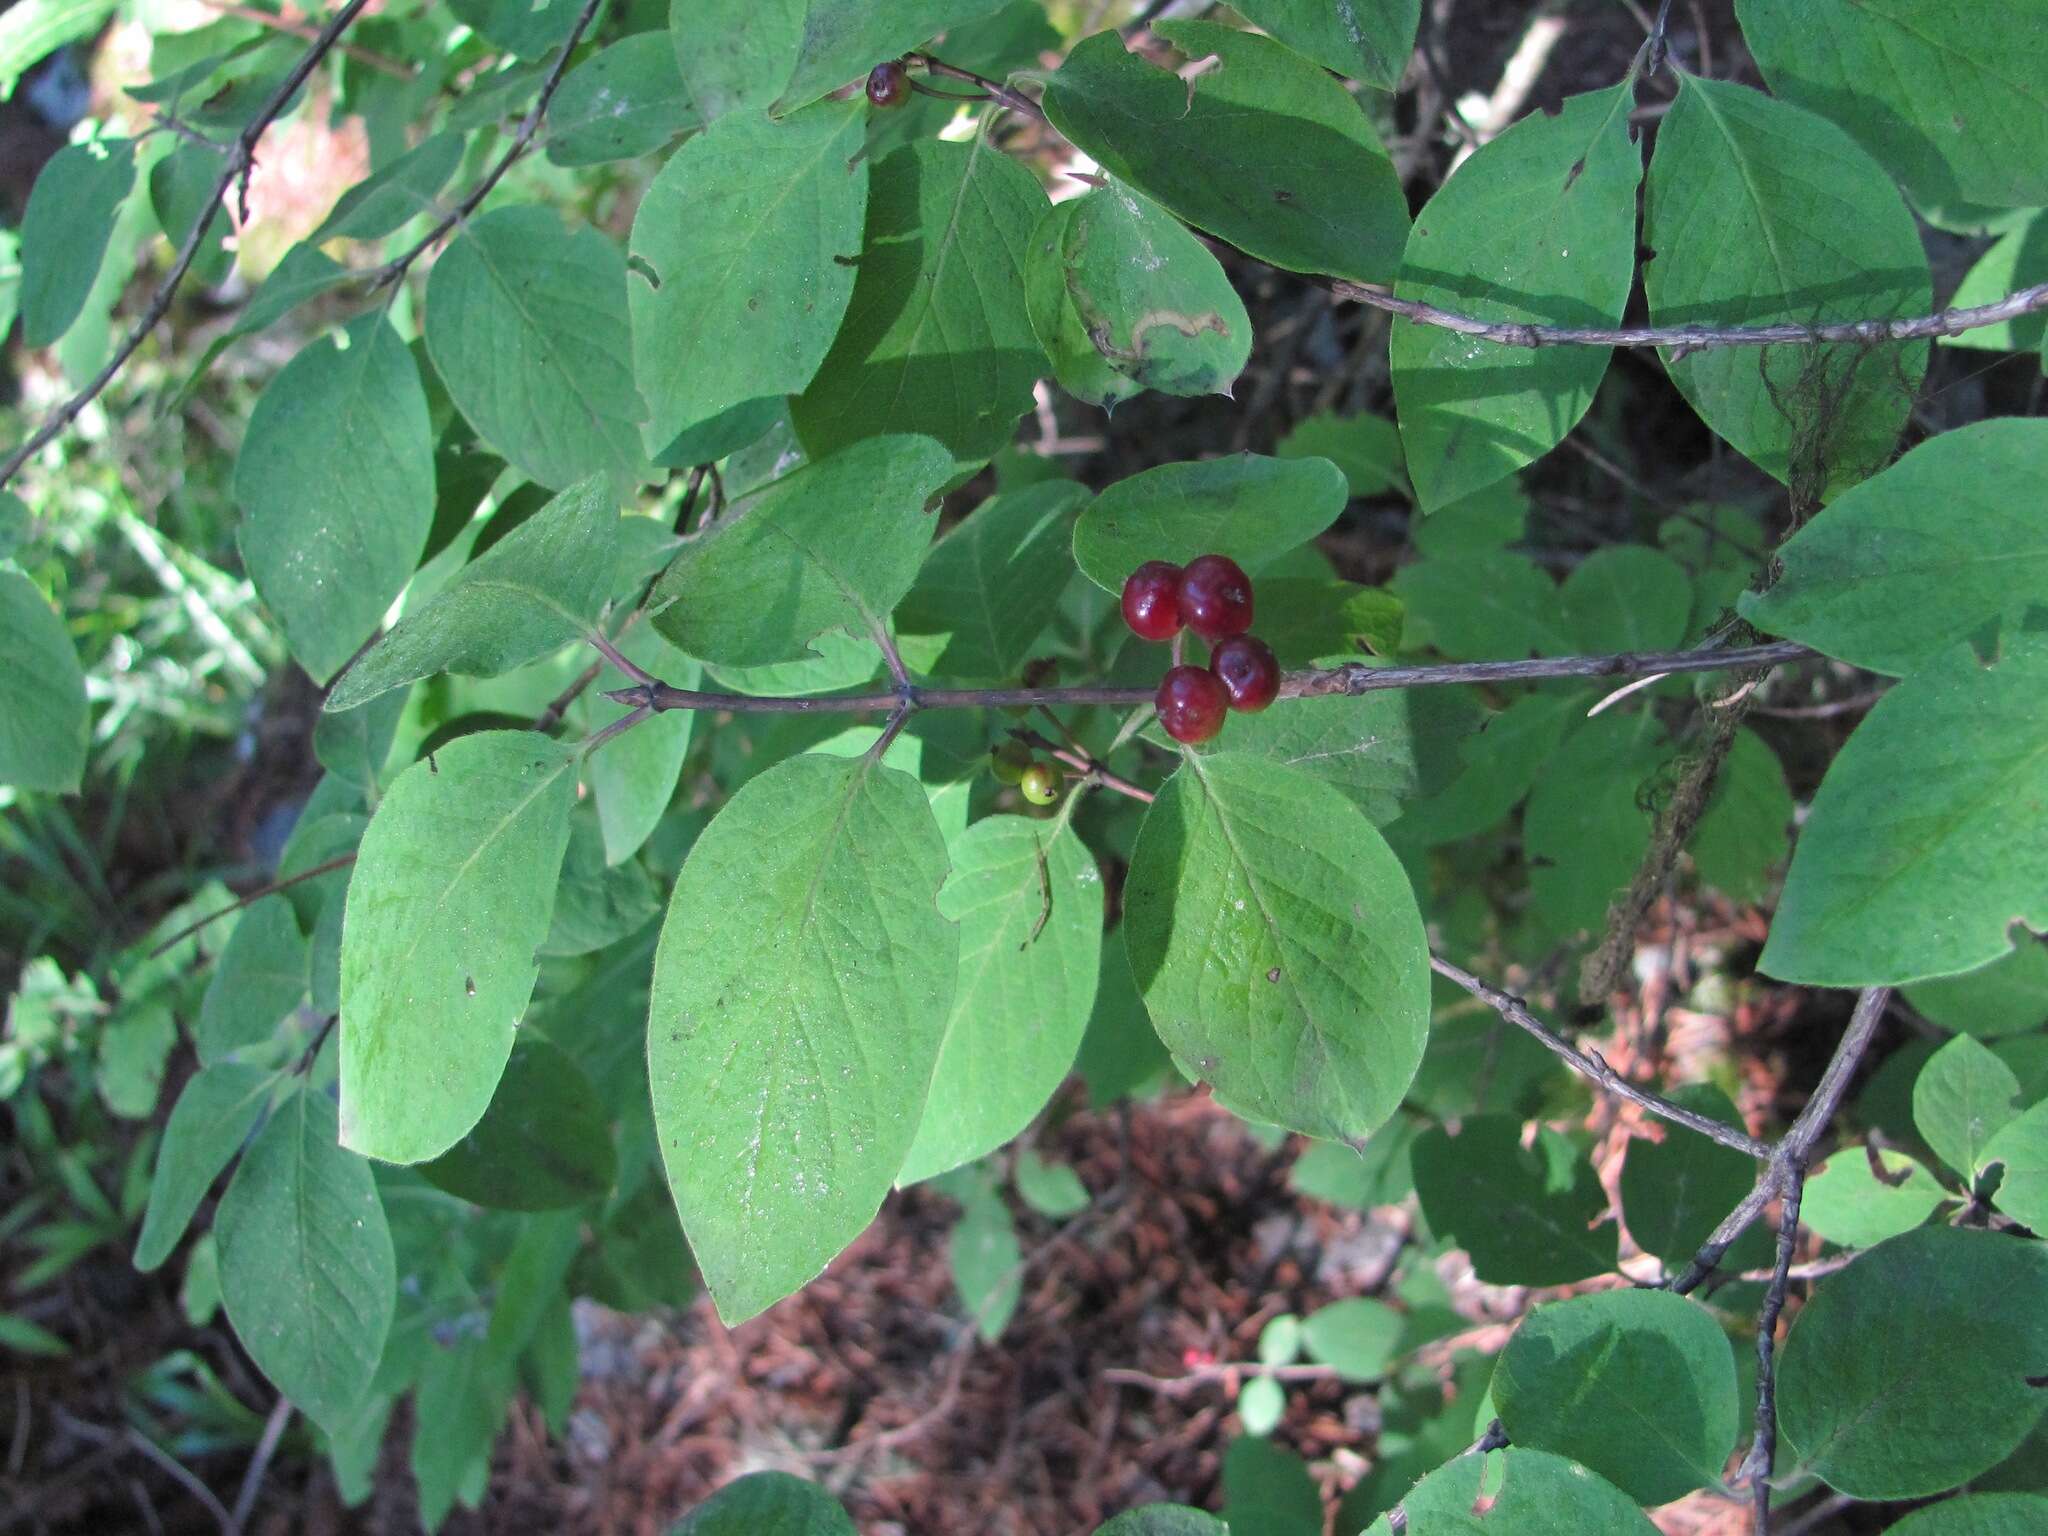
(1124, 299)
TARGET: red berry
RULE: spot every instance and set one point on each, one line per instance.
(1191, 703)
(1152, 601)
(1249, 671)
(888, 85)
(1215, 597)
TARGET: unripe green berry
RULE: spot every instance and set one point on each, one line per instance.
(1009, 761)
(1040, 785)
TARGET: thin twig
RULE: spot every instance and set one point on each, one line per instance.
(186, 932)
(310, 33)
(1798, 1143)
(1201, 1375)
(241, 156)
(522, 140)
(1660, 43)
(1763, 1450)
(1694, 338)
(1349, 679)
(266, 1447)
(1591, 1064)
(1016, 101)
(172, 1467)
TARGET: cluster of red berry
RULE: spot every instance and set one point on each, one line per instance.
(1213, 597)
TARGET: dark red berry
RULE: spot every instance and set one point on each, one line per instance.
(1249, 671)
(888, 85)
(1215, 597)
(1152, 600)
(1191, 703)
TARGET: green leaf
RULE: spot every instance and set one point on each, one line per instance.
(33, 29)
(261, 976)
(1365, 448)
(65, 229)
(214, 1112)
(1743, 834)
(1368, 40)
(1280, 1340)
(181, 185)
(1053, 1190)
(1124, 299)
(800, 999)
(763, 583)
(936, 339)
(1907, 1373)
(1485, 520)
(1278, 947)
(2022, 1145)
(1268, 1491)
(1533, 1493)
(1626, 597)
(449, 901)
(734, 54)
(132, 1051)
(1960, 1100)
(1029, 909)
(42, 693)
(1482, 605)
(1674, 1192)
(1637, 1385)
(385, 201)
(1847, 1203)
(986, 1260)
(527, 323)
(1538, 227)
(1164, 1520)
(2007, 997)
(1946, 93)
(541, 586)
(1928, 839)
(1246, 506)
(527, 28)
(633, 777)
(1379, 750)
(353, 744)
(1261, 1405)
(741, 265)
(766, 1504)
(2018, 259)
(622, 102)
(1978, 1514)
(1585, 828)
(1526, 1216)
(545, 1142)
(1894, 571)
(26, 1338)
(1501, 757)
(1358, 1336)
(1378, 1173)
(336, 485)
(1758, 213)
(843, 39)
(989, 588)
(597, 903)
(1121, 1056)
(306, 1266)
(17, 524)
(1264, 150)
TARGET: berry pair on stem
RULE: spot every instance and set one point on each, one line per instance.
(1212, 596)
(1012, 763)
